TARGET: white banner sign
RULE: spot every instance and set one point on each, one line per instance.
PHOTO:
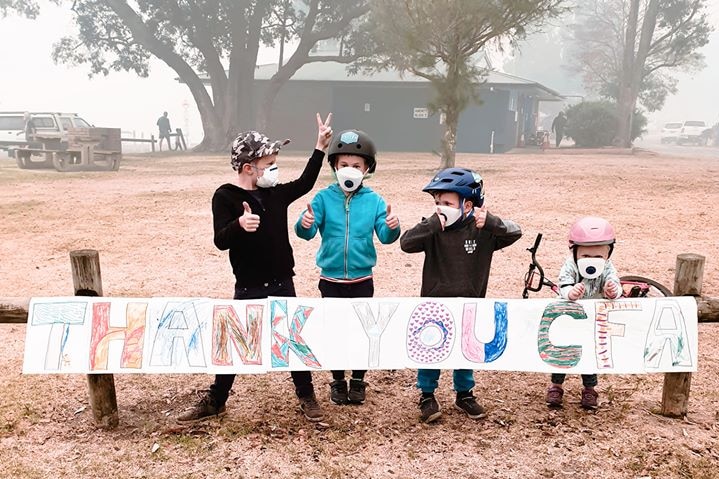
(199, 335)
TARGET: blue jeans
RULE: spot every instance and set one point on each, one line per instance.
(427, 379)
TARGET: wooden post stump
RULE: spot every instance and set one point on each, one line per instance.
(87, 281)
(687, 282)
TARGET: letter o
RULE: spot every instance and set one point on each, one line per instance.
(430, 333)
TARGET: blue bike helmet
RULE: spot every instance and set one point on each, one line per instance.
(466, 183)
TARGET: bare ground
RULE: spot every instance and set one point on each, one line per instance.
(151, 222)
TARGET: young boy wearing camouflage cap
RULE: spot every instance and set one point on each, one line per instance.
(250, 220)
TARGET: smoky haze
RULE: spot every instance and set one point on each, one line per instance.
(31, 81)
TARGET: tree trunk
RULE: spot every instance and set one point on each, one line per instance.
(625, 102)
(449, 139)
(633, 67)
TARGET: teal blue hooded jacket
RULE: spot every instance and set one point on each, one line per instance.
(346, 224)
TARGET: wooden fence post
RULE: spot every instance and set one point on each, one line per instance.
(687, 282)
(87, 281)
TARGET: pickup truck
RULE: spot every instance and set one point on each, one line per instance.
(47, 124)
(692, 132)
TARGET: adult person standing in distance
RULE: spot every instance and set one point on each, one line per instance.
(163, 123)
(558, 125)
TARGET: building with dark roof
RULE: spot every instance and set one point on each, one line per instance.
(392, 109)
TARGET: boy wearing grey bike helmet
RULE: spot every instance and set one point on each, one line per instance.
(458, 242)
(347, 214)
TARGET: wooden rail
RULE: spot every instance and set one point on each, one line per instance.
(14, 310)
(87, 281)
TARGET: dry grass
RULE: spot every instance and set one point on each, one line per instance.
(151, 222)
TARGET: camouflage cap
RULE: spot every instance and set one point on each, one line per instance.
(251, 145)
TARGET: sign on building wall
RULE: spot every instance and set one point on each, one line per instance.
(421, 113)
(199, 335)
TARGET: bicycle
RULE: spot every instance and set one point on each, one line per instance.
(633, 286)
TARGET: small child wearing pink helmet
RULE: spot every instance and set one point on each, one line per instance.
(587, 273)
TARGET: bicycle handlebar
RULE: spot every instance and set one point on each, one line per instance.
(535, 268)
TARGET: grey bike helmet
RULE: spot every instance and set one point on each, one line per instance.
(353, 142)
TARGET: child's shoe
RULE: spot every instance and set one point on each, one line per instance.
(554, 396)
(468, 403)
(589, 398)
(206, 408)
(311, 408)
(429, 408)
(338, 392)
(357, 391)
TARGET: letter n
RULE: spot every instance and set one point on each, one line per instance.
(226, 326)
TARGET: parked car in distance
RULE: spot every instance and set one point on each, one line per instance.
(670, 132)
(692, 132)
(47, 125)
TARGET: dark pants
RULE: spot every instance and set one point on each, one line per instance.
(220, 389)
(588, 380)
(364, 289)
(558, 138)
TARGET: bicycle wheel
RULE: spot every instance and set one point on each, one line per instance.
(653, 289)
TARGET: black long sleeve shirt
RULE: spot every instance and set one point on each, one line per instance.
(266, 254)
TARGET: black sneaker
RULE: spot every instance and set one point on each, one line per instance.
(204, 409)
(468, 403)
(338, 392)
(311, 408)
(429, 408)
(357, 391)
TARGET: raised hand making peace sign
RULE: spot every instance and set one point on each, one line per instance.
(324, 132)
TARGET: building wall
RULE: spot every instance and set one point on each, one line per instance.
(389, 117)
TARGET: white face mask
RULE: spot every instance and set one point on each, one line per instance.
(591, 268)
(349, 178)
(450, 214)
(270, 177)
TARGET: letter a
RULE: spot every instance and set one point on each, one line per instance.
(667, 327)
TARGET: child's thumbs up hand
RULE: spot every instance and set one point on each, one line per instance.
(308, 217)
(480, 217)
(249, 221)
(391, 220)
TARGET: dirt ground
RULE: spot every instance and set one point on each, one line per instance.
(151, 222)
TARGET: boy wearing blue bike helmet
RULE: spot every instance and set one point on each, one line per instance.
(458, 242)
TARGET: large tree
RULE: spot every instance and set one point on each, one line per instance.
(627, 50)
(216, 38)
(439, 39)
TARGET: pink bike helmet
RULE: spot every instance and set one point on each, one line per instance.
(590, 231)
